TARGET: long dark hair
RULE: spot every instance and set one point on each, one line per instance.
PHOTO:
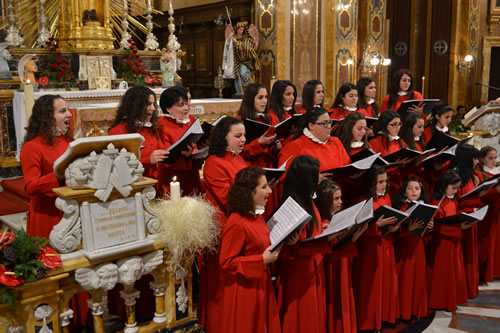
(400, 197)
(308, 93)
(449, 177)
(42, 121)
(308, 118)
(362, 84)
(218, 142)
(132, 109)
(277, 93)
(344, 89)
(247, 107)
(482, 154)
(463, 162)
(438, 110)
(381, 126)
(240, 195)
(324, 198)
(300, 183)
(395, 87)
(369, 183)
(344, 131)
(406, 132)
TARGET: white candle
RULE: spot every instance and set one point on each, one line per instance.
(29, 99)
(175, 189)
(423, 86)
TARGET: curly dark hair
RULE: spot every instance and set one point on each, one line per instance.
(362, 84)
(42, 120)
(369, 183)
(308, 118)
(277, 93)
(247, 108)
(218, 142)
(132, 109)
(308, 94)
(301, 182)
(240, 195)
(400, 197)
(395, 87)
(381, 126)
(344, 131)
(344, 89)
(324, 198)
(406, 132)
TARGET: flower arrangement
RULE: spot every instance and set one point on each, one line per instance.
(133, 69)
(55, 68)
(23, 258)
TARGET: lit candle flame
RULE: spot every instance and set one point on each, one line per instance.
(174, 179)
(28, 81)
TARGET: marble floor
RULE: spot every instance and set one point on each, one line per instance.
(481, 314)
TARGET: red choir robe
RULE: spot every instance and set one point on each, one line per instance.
(249, 302)
(219, 174)
(411, 266)
(37, 159)
(399, 101)
(257, 155)
(185, 169)
(330, 155)
(352, 185)
(428, 133)
(469, 240)
(396, 174)
(374, 276)
(150, 144)
(370, 111)
(445, 267)
(301, 284)
(489, 237)
(341, 113)
(340, 305)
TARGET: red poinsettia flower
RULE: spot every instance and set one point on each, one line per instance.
(8, 279)
(64, 66)
(49, 257)
(59, 74)
(129, 62)
(137, 63)
(8, 237)
(54, 66)
(43, 81)
(59, 53)
(58, 61)
(134, 69)
(148, 79)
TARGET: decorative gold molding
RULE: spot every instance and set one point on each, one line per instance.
(494, 14)
(488, 43)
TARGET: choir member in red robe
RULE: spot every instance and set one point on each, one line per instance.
(346, 102)
(367, 92)
(488, 230)
(137, 114)
(282, 101)
(175, 121)
(47, 137)
(410, 254)
(340, 305)
(301, 274)
(387, 142)
(313, 95)
(249, 301)
(226, 144)
(374, 275)
(401, 90)
(313, 138)
(465, 162)
(442, 114)
(445, 267)
(262, 151)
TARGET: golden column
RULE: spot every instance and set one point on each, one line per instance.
(85, 24)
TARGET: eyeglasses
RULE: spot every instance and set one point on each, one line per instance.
(395, 124)
(326, 124)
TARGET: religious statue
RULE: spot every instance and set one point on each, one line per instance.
(168, 66)
(4, 65)
(245, 45)
(89, 15)
(26, 68)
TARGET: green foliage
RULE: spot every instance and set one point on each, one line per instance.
(7, 296)
(457, 126)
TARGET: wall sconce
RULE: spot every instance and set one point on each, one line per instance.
(466, 63)
(372, 60)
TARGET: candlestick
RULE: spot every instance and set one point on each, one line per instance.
(423, 86)
(175, 189)
(29, 99)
